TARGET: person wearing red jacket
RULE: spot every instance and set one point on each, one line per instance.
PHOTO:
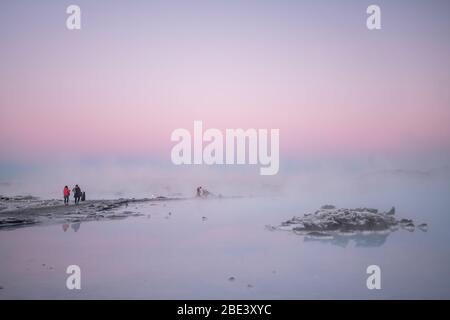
(66, 195)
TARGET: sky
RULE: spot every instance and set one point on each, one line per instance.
(137, 70)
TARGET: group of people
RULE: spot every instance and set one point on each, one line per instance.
(77, 194)
(202, 192)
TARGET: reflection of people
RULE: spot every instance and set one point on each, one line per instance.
(66, 193)
(77, 194)
(76, 226)
(65, 226)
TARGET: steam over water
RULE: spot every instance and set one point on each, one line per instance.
(193, 251)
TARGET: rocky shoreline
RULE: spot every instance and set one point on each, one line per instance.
(22, 211)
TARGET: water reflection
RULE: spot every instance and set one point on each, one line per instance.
(359, 239)
(75, 226)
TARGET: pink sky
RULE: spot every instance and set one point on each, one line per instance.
(124, 82)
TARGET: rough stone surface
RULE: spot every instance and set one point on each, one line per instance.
(328, 221)
(22, 211)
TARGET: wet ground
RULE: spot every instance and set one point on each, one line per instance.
(24, 211)
(220, 248)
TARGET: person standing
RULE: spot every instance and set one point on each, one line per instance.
(66, 193)
(199, 191)
(77, 194)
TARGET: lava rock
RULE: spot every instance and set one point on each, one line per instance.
(391, 212)
(423, 227)
(328, 220)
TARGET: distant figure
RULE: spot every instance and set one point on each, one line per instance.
(66, 193)
(83, 196)
(77, 194)
(205, 193)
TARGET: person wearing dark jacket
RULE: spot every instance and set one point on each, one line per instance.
(77, 194)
